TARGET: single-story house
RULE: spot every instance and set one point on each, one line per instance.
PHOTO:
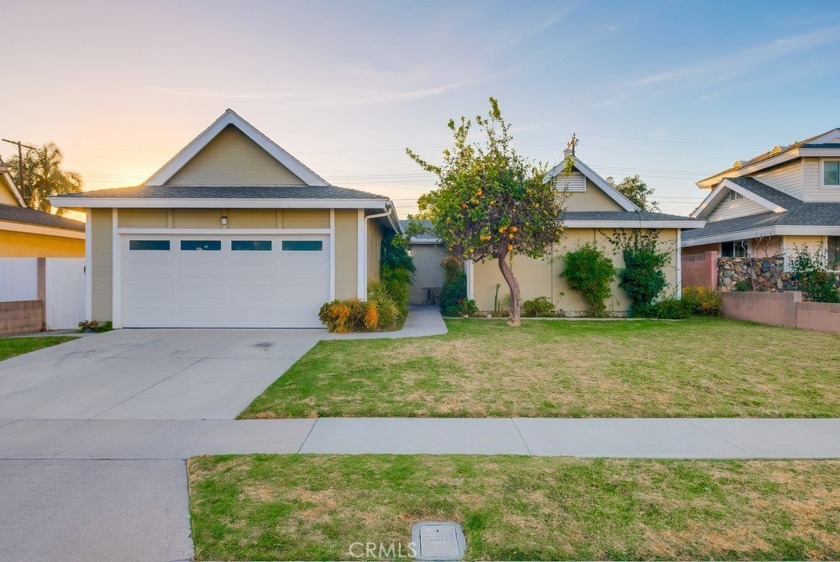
(770, 206)
(427, 252)
(233, 231)
(593, 211)
(29, 233)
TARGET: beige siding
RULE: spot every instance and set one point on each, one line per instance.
(346, 253)
(253, 218)
(144, 218)
(306, 218)
(813, 175)
(197, 218)
(102, 255)
(6, 195)
(745, 207)
(233, 159)
(787, 178)
(427, 258)
(374, 249)
(539, 278)
(593, 199)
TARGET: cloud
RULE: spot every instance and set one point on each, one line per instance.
(381, 96)
(223, 95)
(537, 30)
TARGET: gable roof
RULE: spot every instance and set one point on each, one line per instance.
(600, 182)
(39, 218)
(775, 156)
(230, 118)
(768, 197)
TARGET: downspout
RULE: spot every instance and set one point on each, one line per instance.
(388, 212)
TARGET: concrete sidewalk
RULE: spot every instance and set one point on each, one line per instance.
(687, 438)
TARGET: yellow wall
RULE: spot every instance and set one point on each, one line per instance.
(212, 218)
(143, 218)
(374, 249)
(6, 195)
(346, 253)
(253, 218)
(541, 278)
(197, 218)
(26, 245)
(233, 159)
(593, 199)
(306, 218)
(102, 256)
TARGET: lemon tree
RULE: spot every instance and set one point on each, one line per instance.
(490, 202)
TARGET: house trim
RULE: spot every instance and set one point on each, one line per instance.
(764, 232)
(88, 234)
(14, 189)
(229, 117)
(332, 254)
(30, 228)
(116, 271)
(633, 224)
(220, 231)
(824, 185)
(361, 254)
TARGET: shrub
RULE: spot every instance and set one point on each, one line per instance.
(390, 314)
(642, 277)
(88, 326)
(396, 269)
(702, 300)
(454, 290)
(538, 307)
(467, 307)
(810, 275)
(742, 286)
(351, 315)
(666, 309)
(589, 271)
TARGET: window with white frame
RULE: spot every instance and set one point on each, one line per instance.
(735, 249)
(831, 173)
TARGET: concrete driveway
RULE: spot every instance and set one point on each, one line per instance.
(150, 374)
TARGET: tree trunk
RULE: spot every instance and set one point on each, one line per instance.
(513, 285)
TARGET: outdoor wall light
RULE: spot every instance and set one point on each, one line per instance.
(224, 220)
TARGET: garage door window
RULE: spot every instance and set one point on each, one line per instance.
(250, 245)
(211, 245)
(148, 245)
(302, 245)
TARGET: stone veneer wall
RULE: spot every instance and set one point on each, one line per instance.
(769, 273)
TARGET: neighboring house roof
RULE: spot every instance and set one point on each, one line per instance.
(590, 174)
(628, 219)
(777, 155)
(427, 237)
(40, 218)
(788, 216)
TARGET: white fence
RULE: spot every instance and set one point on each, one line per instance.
(65, 287)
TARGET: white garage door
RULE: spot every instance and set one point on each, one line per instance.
(198, 281)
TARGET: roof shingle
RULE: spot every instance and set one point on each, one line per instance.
(40, 218)
(224, 192)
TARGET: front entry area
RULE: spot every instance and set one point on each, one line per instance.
(223, 281)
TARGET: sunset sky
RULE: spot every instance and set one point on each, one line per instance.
(673, 91)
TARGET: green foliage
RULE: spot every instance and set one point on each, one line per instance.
(590, 271)
(467, 307)
(43, 176)
(666, 309)
(636, 191)
(540, 307)
(88, 326)
(810, 275)
(702, 300)
(742, 286)
(454, 291)
(642, 277)
(396, 270)
(351, 315)
(490, 202)
(391, 316)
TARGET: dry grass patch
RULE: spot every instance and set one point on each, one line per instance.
(696, 368)
(312, 507)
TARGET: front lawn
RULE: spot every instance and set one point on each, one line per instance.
(703, 367)
(308, 507)
(9, 347)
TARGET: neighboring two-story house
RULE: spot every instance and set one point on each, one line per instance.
(773, 205)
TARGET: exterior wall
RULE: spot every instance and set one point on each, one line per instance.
(21, 317)
(27, 245)
(791, 244)
(427, 258)
(700, 269)
(593, 199)
(538, 278)
(783, 309)
(233, 159)
(738, 208)
(144, 218)
(766, 274)
(6, 195)
(812, 179)
(787, 178)
(374, 249)
(306, 218)
(702, 249)
(253, 218)
(212, 218)
(346, 253)
(197, 218)
(102, 255)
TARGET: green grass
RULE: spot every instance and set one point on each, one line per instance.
(10, 347)
(703, 367)
(310, 507)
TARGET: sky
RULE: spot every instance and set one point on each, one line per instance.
(673, 91)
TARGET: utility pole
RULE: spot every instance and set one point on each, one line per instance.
(21, 146)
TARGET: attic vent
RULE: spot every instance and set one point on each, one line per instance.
(737, 164)
(776, 150)
(575, 182)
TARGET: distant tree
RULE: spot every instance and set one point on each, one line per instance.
(490, 202)
(43, 176)
(636, 191)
